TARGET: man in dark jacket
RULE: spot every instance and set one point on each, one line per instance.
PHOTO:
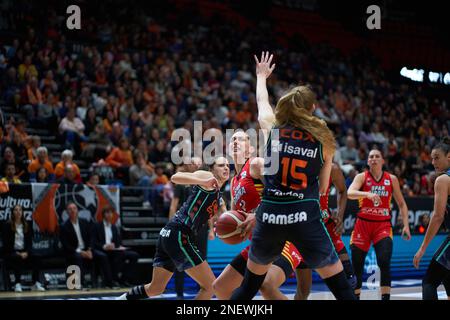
(75, 235)
(112, 256)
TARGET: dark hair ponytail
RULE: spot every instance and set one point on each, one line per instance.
(443, 145)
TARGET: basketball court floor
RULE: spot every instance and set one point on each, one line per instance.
(406, 289)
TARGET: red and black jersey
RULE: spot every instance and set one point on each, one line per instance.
(245, 190)
(384, 189)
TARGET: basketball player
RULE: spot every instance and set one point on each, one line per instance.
(439, 269)
(334, 224)
(176, 248)
(303, 145)
(246, 189)
(374, 189)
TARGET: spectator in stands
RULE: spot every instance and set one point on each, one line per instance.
(424, 221)
(9, 157)
(10, 174)
(161, 178)
(35, 144)
(142, 174)
(19, 150)
(348, 155)
(116, 133)
(112, 256)
(42, 175)
(121, 159)
(98, 145)
(71, 129)
(17, 242)
(91, 121)
(42, 160)
(94, 179)
(159, 153)
(49, 82)
(31, 98)
(67, 159)
(47, 113)
(75, 235)
(10, 87)
(69, 176)
(27, 69)
(159, 183)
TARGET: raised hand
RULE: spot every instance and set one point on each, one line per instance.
(263, 67)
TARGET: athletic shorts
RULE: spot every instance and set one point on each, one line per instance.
(289, 260)
(176, 249)
(335, 238)
(442, 255)
(367, 232)
(299, 223)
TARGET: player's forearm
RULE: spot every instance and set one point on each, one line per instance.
(356, 194)
(342, 203)
(262, 95)
(432, 230)
(404, 213)
(187, 178)
(265, 112)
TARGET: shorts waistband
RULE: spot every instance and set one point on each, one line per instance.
(370, 220)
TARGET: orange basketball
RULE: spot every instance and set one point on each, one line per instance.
(226, 225)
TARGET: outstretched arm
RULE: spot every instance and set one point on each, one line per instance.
(266, 117)
(202, 178)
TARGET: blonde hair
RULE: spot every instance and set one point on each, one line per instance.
(295, 108)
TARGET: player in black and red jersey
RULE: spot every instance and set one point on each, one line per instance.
(177, 248)
(246, 189)
(335, 227)
(374, 189)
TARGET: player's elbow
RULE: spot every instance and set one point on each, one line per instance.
(175, 178)
(266, 119)
(352, 195)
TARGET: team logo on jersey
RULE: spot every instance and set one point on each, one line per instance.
(369, 182)
(244, 174)
(284, 218)
(387, 182)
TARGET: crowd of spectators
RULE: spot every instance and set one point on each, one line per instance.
(115, 92)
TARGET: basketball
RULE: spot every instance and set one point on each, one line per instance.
(226, 225)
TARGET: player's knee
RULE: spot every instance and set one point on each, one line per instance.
(384, 263)
(220, 289)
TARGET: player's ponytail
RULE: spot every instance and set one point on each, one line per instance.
(295, 108)
(443, 145)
